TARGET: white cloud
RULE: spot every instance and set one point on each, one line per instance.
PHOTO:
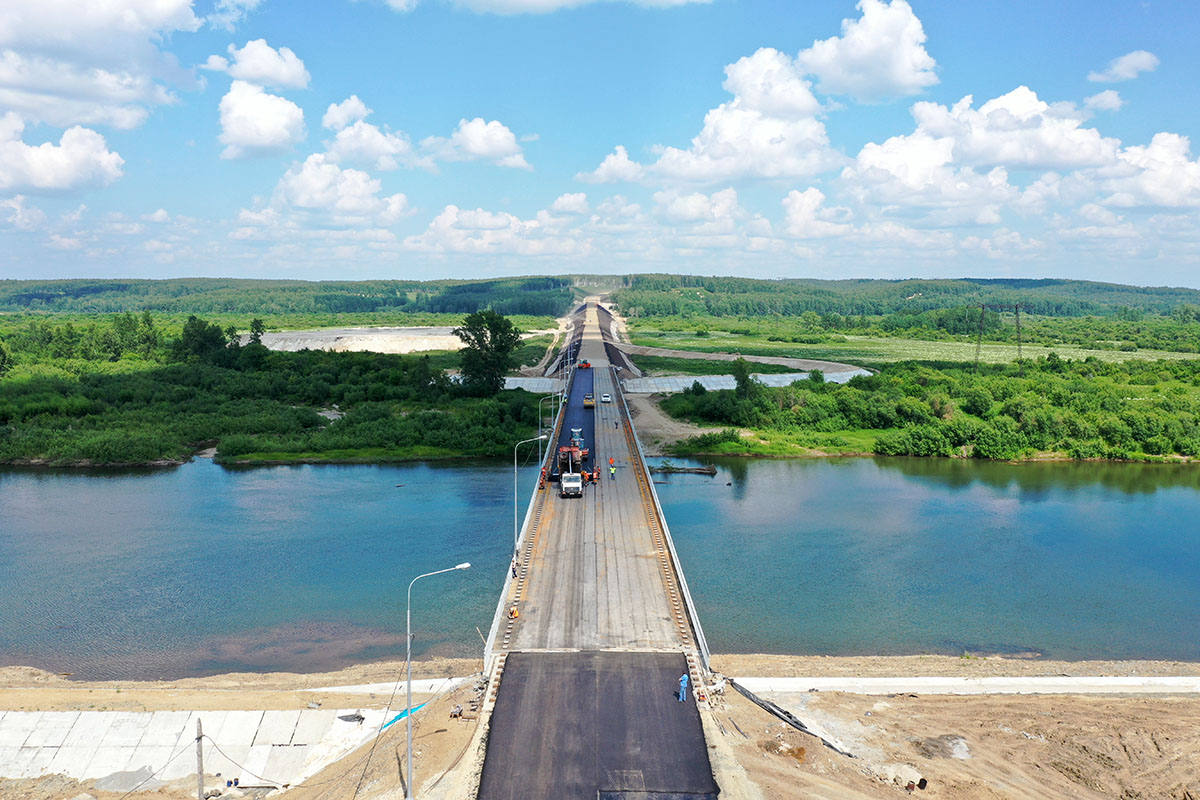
(339, 115)
(768, 130)
(616, 166)
(571, 203)
(1126, 67)
(1108, 100)
(66, 62)
(1159, 174)
(21, 216)
(160, 215)
(697, 206)
(80, 159)
(349, 194)
(805, 216)
(254, 122)
(477, 139)
(482, 232)
(258, 62)
(227, 13)
(365, 143)
(878, 56)
(1015, 130)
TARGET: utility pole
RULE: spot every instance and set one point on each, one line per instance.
(199, 761)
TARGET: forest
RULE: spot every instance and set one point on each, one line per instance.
(1049, 407)
(536, 296)
(119, 391)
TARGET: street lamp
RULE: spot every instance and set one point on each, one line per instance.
(515, 446)
(408, 658)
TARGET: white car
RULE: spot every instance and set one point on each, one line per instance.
(606, 398)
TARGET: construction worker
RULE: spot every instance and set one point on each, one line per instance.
(610, 461)
(683, 682)
(612, 473)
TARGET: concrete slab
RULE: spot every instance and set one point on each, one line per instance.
(782, 687)
(89, 729)
(52, 729)
(8, 760)
(254, 768)
(20, 761)
(154, 757)
(165, 728)
(68, 761)
(286, 761)
(40, 762)
(16, 727)
(312, 726)
(107, 760)
(239, 728)
(127, 729)
(225, 761)
(277, 727)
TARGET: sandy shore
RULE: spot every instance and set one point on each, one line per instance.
(975, 747)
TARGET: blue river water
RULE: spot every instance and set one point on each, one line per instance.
(201, 569)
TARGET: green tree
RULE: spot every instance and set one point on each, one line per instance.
(6, 360)
(746, 385)
(489, 341)
(257, 329)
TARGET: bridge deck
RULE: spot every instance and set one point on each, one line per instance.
(596, 573)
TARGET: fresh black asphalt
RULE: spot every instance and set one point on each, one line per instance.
(576, 416)
(582, 726)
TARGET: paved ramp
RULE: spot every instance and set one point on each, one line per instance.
(577, 726)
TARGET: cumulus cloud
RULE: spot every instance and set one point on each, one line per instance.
(571, 203)
(65, 62)
(365, 143)
(254, 122)
(258, 62)
(1108, 100)
(80, 159)
(349, 111)
(697, 206)
(878, 56)
(477, 139)
(805, 215)
(478, 231)
(616, 166)
(1161, 173)
(768, 130)
(349, 194)
(1126, 67)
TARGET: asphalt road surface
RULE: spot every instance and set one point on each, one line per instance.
(588, 725)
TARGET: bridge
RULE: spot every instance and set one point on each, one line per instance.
(592, 634)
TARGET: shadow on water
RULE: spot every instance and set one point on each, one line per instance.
(904, 555)
(1035, 479)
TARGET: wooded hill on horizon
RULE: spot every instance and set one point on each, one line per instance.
(637, 295)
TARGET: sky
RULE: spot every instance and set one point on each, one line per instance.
(362, 139)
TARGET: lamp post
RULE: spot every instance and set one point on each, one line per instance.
(515, 446)
(408, 658)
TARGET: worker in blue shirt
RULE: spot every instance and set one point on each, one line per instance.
(683, 682)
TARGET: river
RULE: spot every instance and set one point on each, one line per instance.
(202, 569)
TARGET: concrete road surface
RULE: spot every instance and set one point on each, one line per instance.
(577, 726)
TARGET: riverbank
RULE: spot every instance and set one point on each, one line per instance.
(982, 747)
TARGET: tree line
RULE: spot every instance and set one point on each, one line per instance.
(1081, 408)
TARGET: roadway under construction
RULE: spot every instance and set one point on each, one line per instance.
(593, 633)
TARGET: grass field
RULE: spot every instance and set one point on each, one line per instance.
(785, 444)
(875, 351)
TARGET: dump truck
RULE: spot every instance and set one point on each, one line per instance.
(570, 484)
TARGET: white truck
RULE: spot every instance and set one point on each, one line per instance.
(570, 484)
